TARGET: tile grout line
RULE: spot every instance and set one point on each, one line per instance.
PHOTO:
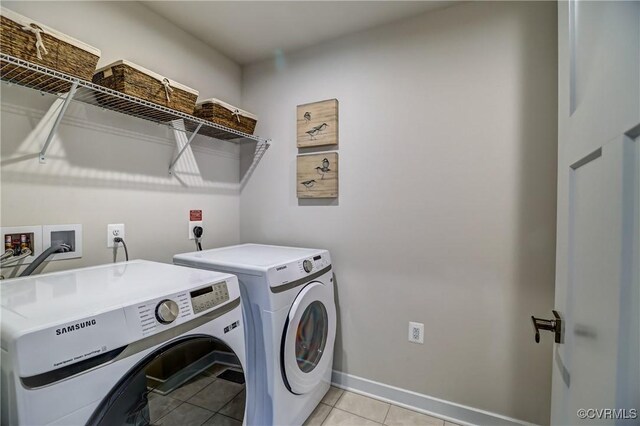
(388, 409)
(333, 406)
(384, 421)
(161, 419)
(368, 397)
(231, 400)
(167, 413)
(214, 412)
(354, 414)
(229, 417)
(339, 398)
(325, 418)
(181, 402)
(208, 418)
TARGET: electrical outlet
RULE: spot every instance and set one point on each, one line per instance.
(195, 219)
(416, 332)
(193, 224)
(114, 230)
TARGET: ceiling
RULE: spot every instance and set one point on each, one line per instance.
(250, 31)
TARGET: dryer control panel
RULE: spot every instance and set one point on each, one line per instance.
(300, 269)
(313, 264)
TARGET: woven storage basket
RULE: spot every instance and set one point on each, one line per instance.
(142, 83)
(20, 37)
(226, 115)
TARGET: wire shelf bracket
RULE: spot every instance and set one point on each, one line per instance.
(67, 100)
(261, 148)
(186, 145)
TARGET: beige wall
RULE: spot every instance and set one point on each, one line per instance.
(106, 168)
(446, 214)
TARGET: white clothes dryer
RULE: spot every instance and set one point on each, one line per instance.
(115, 344)
(288, 299)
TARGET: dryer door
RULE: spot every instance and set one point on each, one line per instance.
(308, 337)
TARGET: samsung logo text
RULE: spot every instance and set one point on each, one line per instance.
(75, 327)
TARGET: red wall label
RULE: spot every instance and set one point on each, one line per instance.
(195, 215)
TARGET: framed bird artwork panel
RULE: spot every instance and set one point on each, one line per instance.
(317, 124)
(317, 175)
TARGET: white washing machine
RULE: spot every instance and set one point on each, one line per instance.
(288, 300)
(114, 344)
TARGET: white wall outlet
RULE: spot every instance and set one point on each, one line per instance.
(114, 230)
(416, 332)
(68, 234)
(192, 224)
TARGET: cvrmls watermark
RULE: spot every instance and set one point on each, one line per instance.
(607, 413)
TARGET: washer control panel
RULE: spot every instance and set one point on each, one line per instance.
(208, 297)
(154, 314)
(168, 311)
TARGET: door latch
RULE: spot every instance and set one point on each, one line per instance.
(554, 325)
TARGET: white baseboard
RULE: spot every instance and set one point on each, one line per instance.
(456, 413)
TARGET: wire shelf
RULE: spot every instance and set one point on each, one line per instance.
(27, 74)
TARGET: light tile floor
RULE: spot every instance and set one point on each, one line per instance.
(204, 400)
(207, 401)
(343, 408)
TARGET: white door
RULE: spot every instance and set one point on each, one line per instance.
(596, 369)
(308, 338)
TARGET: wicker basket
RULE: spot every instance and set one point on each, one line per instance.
(226, 115)
(142, 83)
(31, 41)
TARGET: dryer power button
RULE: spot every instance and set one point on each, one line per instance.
(167, 311)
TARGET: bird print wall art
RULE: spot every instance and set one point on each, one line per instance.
(317, 175)
(324, 168)
(317, 124)
(315, 131)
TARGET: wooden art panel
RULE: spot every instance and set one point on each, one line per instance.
(318, 124)
(317, 175)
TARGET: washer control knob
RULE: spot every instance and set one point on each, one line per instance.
(167, 311)
(307, 265)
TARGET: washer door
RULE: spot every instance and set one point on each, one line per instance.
(188, 367)
(308, 337)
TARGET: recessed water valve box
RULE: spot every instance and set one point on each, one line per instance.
(18, 238)
(70, 235)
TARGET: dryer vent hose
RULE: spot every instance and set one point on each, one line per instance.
(58, 248)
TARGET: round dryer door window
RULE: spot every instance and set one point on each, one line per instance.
(308, 338)
(311, 337)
